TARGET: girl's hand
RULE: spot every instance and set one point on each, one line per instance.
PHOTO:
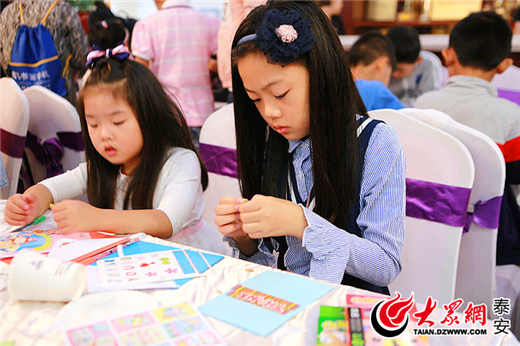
(76, 216)
(272, 217)
(21, 209)
(228, 218)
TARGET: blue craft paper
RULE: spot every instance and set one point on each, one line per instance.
(294, 288)
(195, 257)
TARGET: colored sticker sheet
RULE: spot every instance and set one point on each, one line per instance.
(202, 261)
(178, 325)
(147, 267)
(268, 301)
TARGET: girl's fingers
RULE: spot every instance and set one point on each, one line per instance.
(224, 209)
(250, 217)
(225, 219)
(18, 201)
(230, 228)
(252, 228)
(30, 198)
(58, 217)
(16, 218)
(230, 200)
(250, 206)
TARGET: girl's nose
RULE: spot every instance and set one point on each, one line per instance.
(272, 111)
(106, 133)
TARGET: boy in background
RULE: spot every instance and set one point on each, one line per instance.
(417, 71)
(372, 60)
(479, 48)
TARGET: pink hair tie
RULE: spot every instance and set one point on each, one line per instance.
(120, 52)
(104, 24)
(286, 33)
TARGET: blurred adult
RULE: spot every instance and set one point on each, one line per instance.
(176, 43)
(65, 28)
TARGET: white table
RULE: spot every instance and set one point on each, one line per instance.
(37, 323)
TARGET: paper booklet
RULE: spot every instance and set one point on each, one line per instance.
(180, 325)
(265, 302)
(47, 241)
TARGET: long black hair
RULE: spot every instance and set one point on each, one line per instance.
(162, 126)
(333, 104)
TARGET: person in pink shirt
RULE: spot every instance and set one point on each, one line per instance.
(235, 11)
(176, 43)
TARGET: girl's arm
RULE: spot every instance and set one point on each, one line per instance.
(22, 209)
(76, 216)
(376, 256)
(177, 204)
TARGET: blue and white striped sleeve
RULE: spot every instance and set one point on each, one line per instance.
(262, 256)
(376, 257)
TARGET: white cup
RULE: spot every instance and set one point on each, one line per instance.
(33, 276)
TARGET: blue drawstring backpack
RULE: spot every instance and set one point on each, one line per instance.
(34, 60)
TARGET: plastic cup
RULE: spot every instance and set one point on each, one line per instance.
(33, 276)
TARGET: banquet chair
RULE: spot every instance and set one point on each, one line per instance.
(508, 84)
(53, 117)
(217, 147)
(14, 119)
(438, 165)
(476, 278)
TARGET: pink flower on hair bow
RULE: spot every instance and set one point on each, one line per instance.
(120, 52)
(286, 33)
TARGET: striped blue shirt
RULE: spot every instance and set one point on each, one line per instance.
(326, 252)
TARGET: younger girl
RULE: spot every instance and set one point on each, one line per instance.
(142, 172)
(323, 201)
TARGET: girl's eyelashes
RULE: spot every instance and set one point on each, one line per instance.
(282, 95)
(92, 126)
(118, 123)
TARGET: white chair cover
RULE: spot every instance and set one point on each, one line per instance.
(218, 130)
(50, 114)
(476, 281)
(14, 118)
(431, 249)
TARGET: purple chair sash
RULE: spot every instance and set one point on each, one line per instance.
(437, 202)
(71, 140)
(424, 200)
(219, 160)
(47, 153)
(485, 214)
(511, 95)
(50, 151)
(11, 144)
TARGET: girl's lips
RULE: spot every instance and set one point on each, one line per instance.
(111, 151)
(281, 129)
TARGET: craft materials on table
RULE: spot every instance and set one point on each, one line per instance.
(192, 260)
(45, 241)
(265, 302)
(331, 325)
(149, 267)
(178, 325)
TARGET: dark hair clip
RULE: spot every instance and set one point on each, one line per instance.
(284, 36)
(120, 52)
